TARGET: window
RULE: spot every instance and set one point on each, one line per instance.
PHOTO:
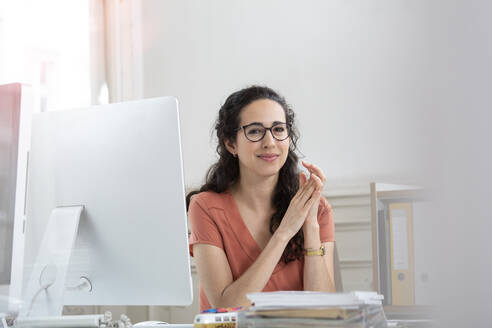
(47, 44)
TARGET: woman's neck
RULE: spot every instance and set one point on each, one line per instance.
(256, 192)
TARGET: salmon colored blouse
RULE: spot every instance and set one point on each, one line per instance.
(215, 220)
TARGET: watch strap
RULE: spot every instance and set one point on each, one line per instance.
(315, 252)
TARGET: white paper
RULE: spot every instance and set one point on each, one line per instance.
(312, 299)
(400, 239)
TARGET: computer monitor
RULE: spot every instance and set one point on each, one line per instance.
(122, 162)
(16, 106)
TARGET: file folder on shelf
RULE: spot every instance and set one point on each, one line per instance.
(402, 262)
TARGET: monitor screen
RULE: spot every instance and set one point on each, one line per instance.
(122, 163)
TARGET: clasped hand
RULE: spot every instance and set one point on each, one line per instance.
(303, 208)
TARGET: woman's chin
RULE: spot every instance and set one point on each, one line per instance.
(268, 172)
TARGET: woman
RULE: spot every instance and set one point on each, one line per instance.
(257, 224)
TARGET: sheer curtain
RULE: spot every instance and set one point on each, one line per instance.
(123, 48)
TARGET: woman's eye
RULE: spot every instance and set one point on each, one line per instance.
(254, 131)
(279, 129)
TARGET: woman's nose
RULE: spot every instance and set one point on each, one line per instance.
(268, 140)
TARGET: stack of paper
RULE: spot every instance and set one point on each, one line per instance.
(313, 309)
(296, 298)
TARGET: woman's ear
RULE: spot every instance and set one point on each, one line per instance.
(231, 147)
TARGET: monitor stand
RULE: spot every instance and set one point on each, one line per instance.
(44, 293)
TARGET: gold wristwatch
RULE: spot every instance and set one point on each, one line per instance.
(315, 252)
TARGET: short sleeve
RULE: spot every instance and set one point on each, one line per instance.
(325, 221)
(203, 228)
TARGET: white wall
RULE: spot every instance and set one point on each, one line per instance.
(383, 89)
(356, 73)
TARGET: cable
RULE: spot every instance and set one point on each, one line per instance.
(44, 287)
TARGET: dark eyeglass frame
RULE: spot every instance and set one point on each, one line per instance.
(287, 126)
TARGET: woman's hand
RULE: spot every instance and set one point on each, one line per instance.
(318, 178)
(302, 202)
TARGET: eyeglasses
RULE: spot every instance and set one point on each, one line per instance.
(256, 131)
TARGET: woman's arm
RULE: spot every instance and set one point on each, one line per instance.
(216, 277)
(213, 267)
(318, 270)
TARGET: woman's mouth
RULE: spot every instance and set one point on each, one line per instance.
(268, 157)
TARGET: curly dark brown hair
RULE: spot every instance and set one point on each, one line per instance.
(225, 173)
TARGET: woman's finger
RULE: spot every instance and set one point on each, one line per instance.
(317, 181)
(311, 201)
(308, 191)
(302, 188)
(316, 170)
(303, 183)
(302, 179)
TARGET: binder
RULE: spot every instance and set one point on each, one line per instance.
(402, 257)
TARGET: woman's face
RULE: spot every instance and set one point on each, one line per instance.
(267, 156)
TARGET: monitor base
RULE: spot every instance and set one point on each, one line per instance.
(44, 293)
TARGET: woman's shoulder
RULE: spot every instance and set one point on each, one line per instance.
(211, 199)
